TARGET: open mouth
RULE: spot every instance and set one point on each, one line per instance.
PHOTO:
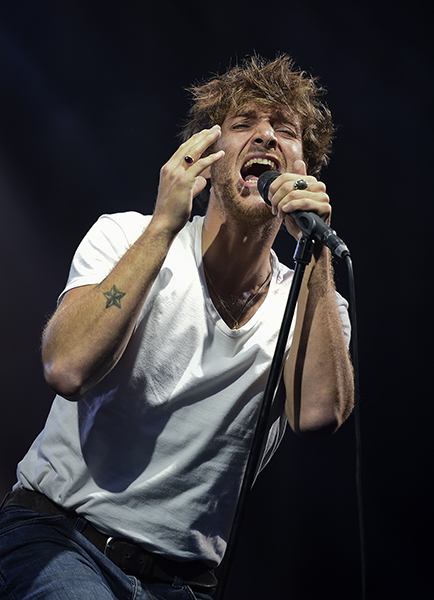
(254, 167)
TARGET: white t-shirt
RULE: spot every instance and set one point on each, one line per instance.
(156, 451)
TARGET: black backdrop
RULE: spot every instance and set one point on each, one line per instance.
(91, 97)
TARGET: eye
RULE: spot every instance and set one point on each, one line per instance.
(287, 132)
(241, 125)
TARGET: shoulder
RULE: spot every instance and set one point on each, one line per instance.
(132, 224)
(112, 234)
(103, 245)
(129, 224)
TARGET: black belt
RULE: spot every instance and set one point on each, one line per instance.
(129, 557)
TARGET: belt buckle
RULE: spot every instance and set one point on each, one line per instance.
(108, 546)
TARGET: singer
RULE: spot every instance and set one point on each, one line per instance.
(159, 352)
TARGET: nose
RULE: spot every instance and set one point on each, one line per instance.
(265, 136)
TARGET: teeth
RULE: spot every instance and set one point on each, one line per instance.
(260, 161)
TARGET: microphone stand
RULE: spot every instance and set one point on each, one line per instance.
(302, 257)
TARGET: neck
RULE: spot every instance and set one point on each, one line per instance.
(236, 256)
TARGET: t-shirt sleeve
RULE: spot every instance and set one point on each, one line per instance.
(102, 247)
(345, 317)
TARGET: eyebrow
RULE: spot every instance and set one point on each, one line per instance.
(279, 115)
(245, 113)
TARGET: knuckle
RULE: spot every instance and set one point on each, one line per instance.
(164, 170)
(319, 186)
(288, 187)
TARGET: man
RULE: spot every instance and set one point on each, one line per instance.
(159, 353)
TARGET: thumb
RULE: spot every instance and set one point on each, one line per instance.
(199, 185)
(299, 167)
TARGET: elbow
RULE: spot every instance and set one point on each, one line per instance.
(316, 429)
(64, 381)
(317, 424)
(323, 417)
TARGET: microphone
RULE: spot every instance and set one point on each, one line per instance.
(310, 223)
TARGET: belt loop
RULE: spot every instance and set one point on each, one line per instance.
(5, 498)
(80, 524)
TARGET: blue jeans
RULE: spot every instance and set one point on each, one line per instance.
(44, 557)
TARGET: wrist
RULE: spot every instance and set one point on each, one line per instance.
(163, 228)
(320, 273)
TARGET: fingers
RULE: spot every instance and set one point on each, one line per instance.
(287, 195)
(183, 177)
(286, 198)
(185, 172)
(189, 154)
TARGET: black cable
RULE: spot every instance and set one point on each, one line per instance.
(355, 360)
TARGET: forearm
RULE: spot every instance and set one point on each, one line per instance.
(88, 333)
(318, 373)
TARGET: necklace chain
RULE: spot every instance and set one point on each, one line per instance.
(247, 302)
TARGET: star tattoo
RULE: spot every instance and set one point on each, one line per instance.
(114, 297)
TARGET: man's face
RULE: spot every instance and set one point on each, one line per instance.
(255, 139)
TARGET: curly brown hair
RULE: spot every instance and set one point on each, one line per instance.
(272, 84)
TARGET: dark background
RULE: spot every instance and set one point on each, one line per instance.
(91, 97)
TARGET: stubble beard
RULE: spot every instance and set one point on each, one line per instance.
(239, 205)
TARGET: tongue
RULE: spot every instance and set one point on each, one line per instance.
(251, 178)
